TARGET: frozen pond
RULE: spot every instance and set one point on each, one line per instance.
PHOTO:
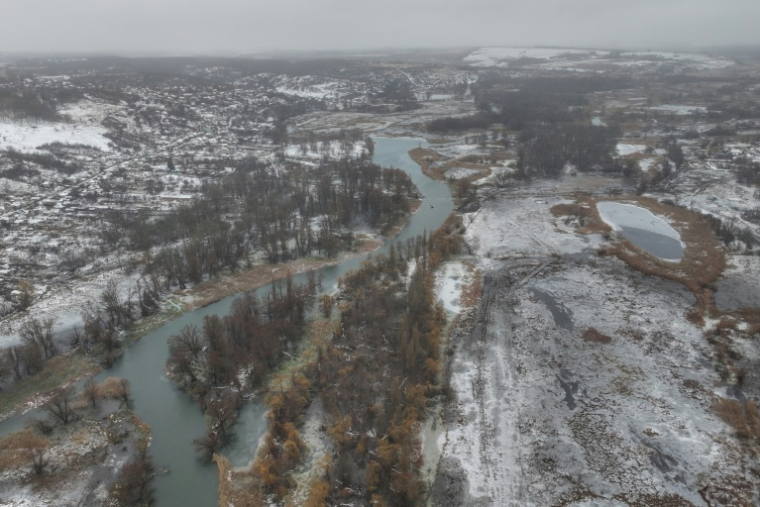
(644, 229)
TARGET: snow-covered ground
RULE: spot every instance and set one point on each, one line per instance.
(500, 56)
(65, 304)
(524, 227)
(630, 149)
(545, 417)
(331, 149)
(31, 136)
(679, 110)
(583, 60)
(449, 286)
(456, 173)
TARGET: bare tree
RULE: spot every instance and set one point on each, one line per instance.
(61, 407)
(134, 485)
(40, 334)
(29, 446)
(13, 360)
(124, 392)
(31, 357)
(118, 309)
(91, 392)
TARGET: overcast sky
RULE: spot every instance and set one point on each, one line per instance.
(217, 26)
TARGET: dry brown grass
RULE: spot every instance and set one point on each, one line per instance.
(592, 335)
(424, 159)
(17, 449)
(744, 418)
(235, 488)
(585, 210)
(703, 260)
(440, 140)
(473, 288)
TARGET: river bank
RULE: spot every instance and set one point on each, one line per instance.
(173, 416)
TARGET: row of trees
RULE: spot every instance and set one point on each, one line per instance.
(288, 214)
(237, 352)
(374, 380)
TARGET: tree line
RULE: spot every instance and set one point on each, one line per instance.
(374, 378)
(285, 214)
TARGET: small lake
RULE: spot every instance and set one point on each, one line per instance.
(644, 229)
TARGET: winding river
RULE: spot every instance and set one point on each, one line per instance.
(176, 420)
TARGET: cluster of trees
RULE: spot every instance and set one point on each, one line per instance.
(23, 104)
(290, 214)
(99, 336)
(729, 232)
(748, 172)
(374, 378)
(237, 352)
(518, 104)
(42, 160)
(28, 358)
(550, 115)
(545, 150)
(400, 92)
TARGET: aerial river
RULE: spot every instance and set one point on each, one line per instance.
(176, 420)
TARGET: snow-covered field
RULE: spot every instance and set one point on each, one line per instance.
(31, 136)
(500, 56)
(630, 149)
(331, 149)
(522, 226)
(449, 286)
(680, 110)
(456, 173)
(583, 60)
(545, 417)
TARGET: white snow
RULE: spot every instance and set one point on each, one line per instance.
(30, 136)
(450, 286)
(679, 109)
(629, 149)
(617, 215)
(456, 173)
(646, 164)
(500, 56)
(523, 226)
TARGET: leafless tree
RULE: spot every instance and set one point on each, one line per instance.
(61, 407)
(90, 392)
(40, 334)
(13, 360)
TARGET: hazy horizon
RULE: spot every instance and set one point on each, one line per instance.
(193, 27)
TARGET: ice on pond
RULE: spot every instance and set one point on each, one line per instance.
(644, 229)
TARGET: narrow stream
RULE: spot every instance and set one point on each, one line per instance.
(176, 420)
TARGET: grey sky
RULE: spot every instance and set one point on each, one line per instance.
(208, 26)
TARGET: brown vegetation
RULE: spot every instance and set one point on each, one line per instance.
(592, 335)
(24, 448)
(703, 259)
(425, 158)
(374, 374)
(744, 418)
